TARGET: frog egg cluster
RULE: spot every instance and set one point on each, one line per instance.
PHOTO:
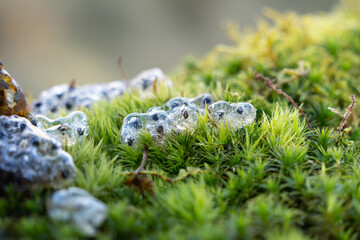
(236, 115)
(157, 123)
(181, 114)
(78, 207)
(69, 97)
(29, 156)
(68, 130)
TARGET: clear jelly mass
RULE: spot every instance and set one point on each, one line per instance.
(181, 114)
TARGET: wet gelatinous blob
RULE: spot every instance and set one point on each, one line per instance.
(157, 123)
(184, 118)
(182, 114)
(70, 97)
(68, 130)
(146, 79)
(29, 156)
(236, 115)
(202, 100)
(78, 207)
(196, 104)
(12, 99)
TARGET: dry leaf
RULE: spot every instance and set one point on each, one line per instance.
(140, 183)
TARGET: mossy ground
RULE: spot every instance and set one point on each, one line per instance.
(274, 179)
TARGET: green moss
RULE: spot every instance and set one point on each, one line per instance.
(274, 179)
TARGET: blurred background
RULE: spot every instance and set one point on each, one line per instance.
(50, 42)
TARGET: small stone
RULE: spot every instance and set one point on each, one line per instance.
(29, 156)
(68, 130)
(236, 115)
(78, 207)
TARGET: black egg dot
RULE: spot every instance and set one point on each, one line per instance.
(59, 96)
(22, 126)
(160, 129)
(186, 114)
(130, 142)
(53, 109)
(36, 143)
(155, 117)
(240, 110)
(55, 147)
(146, 83)
(62, 129)
(174, 105)
(135, 124)
(38, 104)
(221, 114)
(80, 131)
(207, 100)
(33, 122)
(68, 106)
(65, 173)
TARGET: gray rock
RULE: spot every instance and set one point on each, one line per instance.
(29, 156)
(78, 207)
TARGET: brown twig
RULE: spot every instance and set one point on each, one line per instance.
(347, 113)
(270, 84)
(153, 174)
(72, 84)
(143, 162)
(165, 178)
(138, 180)
(119, 62)
(155, 85)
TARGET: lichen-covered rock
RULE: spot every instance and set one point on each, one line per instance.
(76, 206)
(70, 97)
(157, 123)
(68, 130)
(29, 156)
(236, 115)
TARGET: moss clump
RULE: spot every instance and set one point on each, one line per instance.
(274, 179)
